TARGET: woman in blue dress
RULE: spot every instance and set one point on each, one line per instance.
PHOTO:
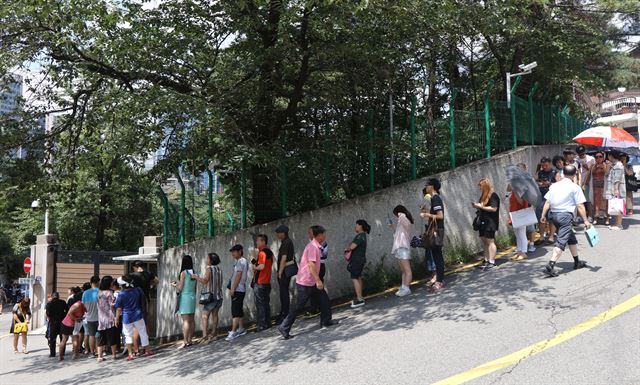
(186, 288)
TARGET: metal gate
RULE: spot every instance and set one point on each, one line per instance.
(74, 267)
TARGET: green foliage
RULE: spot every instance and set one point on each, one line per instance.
(379, 278)
(504, 241)
(457, 252)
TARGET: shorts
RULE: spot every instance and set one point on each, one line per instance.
(356, 268)
(90, 328)
(564, 229)
(107, 337)
(217, 304)
(66, 330)
(402, 253)
(237, 304)
(489, 234)
(78, 329)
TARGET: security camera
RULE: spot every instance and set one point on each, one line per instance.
(35, 204)
(528, 67)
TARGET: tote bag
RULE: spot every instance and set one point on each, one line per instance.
(617, 206)
(524, 217)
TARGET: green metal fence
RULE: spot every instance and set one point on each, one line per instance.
(356, 155)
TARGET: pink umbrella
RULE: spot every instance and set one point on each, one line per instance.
(606, 136)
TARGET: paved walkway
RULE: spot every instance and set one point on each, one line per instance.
(419, 339)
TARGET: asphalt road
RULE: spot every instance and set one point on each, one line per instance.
(419, 339)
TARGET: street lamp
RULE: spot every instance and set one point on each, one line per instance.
(36, 205)
(526, 70)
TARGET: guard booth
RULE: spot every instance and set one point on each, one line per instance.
(148, 255)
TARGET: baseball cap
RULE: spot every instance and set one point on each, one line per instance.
(282, 229)
(236, 248)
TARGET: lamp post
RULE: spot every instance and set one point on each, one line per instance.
(526, 70)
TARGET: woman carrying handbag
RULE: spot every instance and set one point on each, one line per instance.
(20, 324)
(433, 238)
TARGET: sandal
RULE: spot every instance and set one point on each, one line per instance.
(100, 359)
(149, 354)
(131, 358)
(15, 351)
(606, 221)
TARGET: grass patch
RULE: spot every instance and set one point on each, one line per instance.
(377, 278)
(504, 241)
(457, 252)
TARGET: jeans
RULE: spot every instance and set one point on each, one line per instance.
(437, 259)
(284, 295)
(54, 332)
(303, 294)
(263, 307)
(431, 266)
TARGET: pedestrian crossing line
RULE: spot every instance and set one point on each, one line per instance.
(532, 350)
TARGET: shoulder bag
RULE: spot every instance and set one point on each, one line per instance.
(433, 236)
(476, 221)
(206, 297)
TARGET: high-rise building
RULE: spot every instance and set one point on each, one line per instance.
(9, 94)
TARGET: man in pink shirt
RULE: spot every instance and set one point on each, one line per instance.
(309, 285)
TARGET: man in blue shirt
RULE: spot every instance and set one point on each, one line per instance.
(90, 300)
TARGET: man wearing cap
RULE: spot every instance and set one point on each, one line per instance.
(586, 162)
(287, 269)
(237, 288)
(56, 310)
(562, 200)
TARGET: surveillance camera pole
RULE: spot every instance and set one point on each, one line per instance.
(508, 90)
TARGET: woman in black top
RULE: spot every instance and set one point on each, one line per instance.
(436, 213)
(489, 216)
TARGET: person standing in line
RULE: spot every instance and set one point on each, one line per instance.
(90, 300)
(70, 328)
(144, 280)
(56, 310)
(401, 247)
(436, 213)
(357, 252)
(116, 289)
(559, 163)
(489, 215)
(261, 283)
(570, 160)
(309, 285)
(213, 279)
(616, 184)
(517, 203)
(545, 177)
(129, 305)
(287, 269)
(586, 162)
(3, 299)
(237, 288)
(425, 208)
(598, 178)
(186, 288)
(107, 330)
(563, 199)
(628, 173)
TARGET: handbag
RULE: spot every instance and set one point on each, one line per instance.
(592, 236)
(20, 327)
(433, 236)
(631, 182)
(476, 221)
(206, 297)
(617, 206)
(524, 217)
(347, 255)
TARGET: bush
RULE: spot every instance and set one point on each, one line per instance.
(458, 251)
(504, 241)
(378, 278)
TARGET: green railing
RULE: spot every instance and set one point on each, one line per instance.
(360, 154)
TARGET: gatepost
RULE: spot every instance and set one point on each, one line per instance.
(42, 277)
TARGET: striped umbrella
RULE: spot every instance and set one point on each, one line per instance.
(606, 136)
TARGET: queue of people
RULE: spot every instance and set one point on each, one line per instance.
(104, 310)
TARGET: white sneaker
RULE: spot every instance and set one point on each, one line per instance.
(404, 292)
(231, 336)
(614, 228)
(241, 332)
(531, 248)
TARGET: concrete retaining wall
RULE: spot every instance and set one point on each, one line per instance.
(459, 190)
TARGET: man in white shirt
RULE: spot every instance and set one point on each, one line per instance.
(561, 202)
